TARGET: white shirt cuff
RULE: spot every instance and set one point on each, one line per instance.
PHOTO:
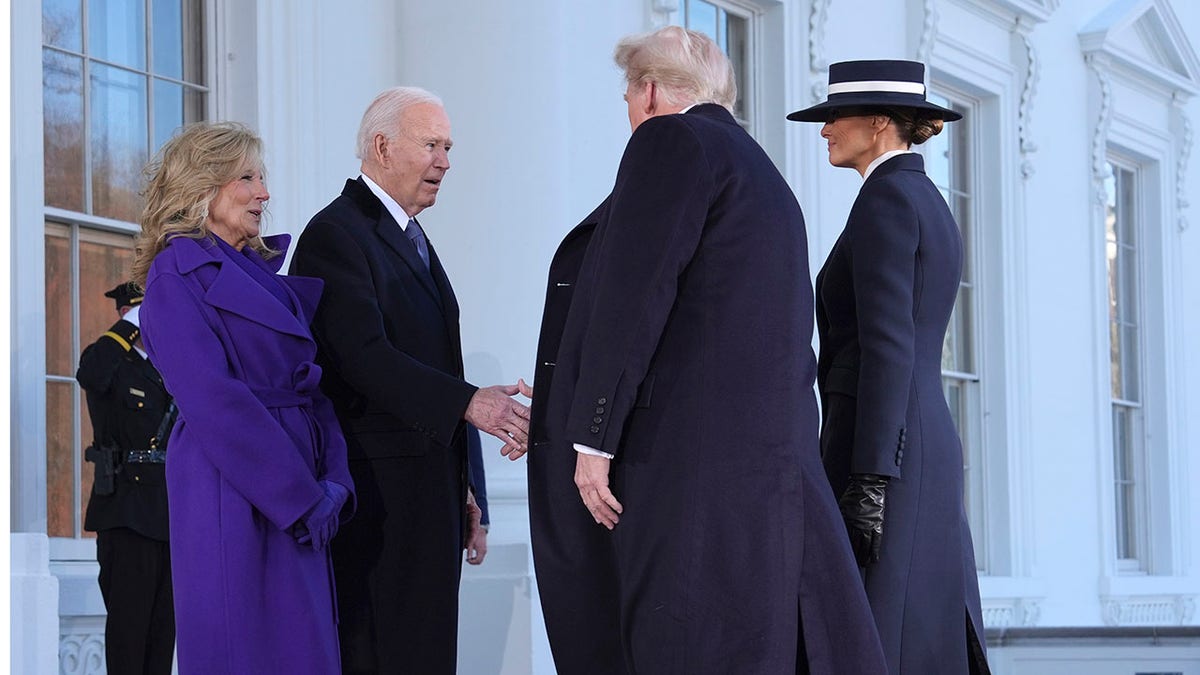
(589, 450)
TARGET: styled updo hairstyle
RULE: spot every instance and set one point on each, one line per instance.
(914, 125)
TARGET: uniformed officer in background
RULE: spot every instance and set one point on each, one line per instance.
(131, 416)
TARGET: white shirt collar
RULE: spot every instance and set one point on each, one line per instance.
(390, 204)
(883, 158)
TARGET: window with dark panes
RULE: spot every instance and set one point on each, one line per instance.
(118, 78)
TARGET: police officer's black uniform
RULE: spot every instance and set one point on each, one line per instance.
(128, 405)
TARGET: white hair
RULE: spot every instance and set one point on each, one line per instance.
(687, 65)
(383, 115)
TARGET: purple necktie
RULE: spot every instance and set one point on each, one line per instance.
(417, 237)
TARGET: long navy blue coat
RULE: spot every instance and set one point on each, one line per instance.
(582, 619)
(884, 298)
(686, 355)
(388, 338)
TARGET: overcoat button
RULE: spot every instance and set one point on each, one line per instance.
(599, 410)
(597, 419)
(601, 400)
(595, 430)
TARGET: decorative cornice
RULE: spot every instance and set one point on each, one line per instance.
(1185, 151)
(818, 62)
(1176, 610)
(1023, 28)
(1100, 137)
(928, 32)
(1011, 613)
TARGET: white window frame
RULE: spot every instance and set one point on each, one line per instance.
(78, 547)
(1141, 562)
(987, 61)
(974, 385)
(1136, 114)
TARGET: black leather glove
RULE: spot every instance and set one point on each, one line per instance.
(862, 509)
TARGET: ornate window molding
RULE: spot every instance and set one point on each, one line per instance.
(1143, 70)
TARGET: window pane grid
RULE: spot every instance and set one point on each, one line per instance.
(1128, 439)
(948, 164)
(195, 86)
(118, 77)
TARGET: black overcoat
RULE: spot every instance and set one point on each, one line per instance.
(686, 349)
(582, 619)
(388, 337)
(884, 298)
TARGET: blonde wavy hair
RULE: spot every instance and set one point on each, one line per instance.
(685, 64)
(181, 182)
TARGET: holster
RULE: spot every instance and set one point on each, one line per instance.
(105, 461)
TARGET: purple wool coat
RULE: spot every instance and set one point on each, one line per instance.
(254, 436)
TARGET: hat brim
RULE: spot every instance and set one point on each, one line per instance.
(820, 112)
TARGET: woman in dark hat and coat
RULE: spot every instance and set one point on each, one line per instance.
(883, 301)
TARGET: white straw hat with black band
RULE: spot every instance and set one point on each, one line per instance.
(874, 84)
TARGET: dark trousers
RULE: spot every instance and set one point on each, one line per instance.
(135, 580)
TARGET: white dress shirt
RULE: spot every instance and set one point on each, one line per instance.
(883, 158)
(390, 204)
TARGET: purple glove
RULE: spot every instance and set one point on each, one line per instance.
(320, 524)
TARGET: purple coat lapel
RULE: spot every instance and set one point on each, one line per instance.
(232, 291)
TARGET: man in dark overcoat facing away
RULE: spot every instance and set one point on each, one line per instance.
(687, 378)
(388, 336)
(582, 619)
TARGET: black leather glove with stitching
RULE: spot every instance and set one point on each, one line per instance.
(862, 509)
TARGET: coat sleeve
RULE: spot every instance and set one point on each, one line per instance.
(349, 327)
(655, 220)
(223, 417)
(884, 230)
(336, 466)
(99, 362)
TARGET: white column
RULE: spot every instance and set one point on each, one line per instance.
(34, 606)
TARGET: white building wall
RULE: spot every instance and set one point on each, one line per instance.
(539, 126)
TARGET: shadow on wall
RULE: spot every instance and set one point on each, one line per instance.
(494, 631)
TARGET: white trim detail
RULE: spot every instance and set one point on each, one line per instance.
(929, 33)
(1184, 135)
(890, 86)
(818, 62)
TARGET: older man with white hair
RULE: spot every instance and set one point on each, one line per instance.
(388, 336)
(681, 465)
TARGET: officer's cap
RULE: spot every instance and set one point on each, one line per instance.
(126, 295)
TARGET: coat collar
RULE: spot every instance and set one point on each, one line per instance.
(589, 223)
(910, 161)
(233, 291)
(712, 111)
(389, 231)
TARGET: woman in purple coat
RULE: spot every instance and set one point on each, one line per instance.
(256, 476)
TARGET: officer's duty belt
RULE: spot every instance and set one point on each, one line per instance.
(146, 456)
